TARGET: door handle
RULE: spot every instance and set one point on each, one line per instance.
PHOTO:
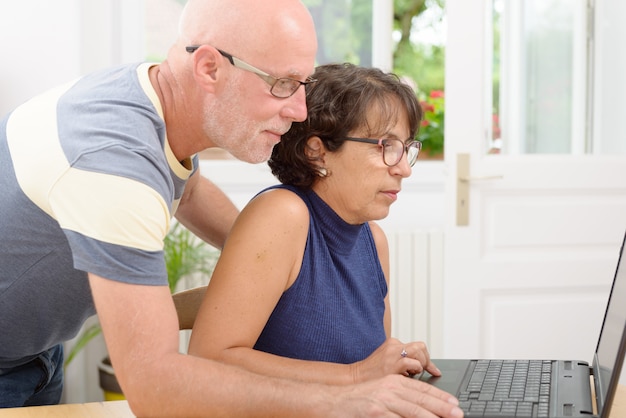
(463, 187)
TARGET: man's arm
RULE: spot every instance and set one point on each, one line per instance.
(141, 331)
(206, 210)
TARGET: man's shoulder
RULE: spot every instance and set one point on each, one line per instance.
(120, 81)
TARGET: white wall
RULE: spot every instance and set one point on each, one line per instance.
(45, 43)
(37, 51)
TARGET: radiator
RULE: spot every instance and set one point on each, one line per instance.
(416, 287)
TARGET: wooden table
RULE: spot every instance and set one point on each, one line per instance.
(120, 409)
(618, 410)
(112, 409)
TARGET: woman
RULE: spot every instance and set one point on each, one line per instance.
(300, 289)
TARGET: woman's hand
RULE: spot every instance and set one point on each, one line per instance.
(395, 357)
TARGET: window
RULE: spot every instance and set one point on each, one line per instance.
(555, 63)
(345, 29)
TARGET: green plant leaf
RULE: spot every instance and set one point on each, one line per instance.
(87, 335)
(185, 254)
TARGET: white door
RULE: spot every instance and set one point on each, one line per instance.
(531, 248)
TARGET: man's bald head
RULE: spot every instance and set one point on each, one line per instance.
(245, 26)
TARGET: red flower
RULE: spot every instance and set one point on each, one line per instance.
(436, 93)
(427, 107)
(431, 128)
(495, 127)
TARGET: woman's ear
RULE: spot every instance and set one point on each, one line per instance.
(315, 149)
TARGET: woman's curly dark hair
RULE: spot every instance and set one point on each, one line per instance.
(338, 104)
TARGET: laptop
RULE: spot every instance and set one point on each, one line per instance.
(549, 388)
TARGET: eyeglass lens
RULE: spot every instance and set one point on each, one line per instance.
(394, 149)
(285, 87)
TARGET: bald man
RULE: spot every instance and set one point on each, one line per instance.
(91, 174)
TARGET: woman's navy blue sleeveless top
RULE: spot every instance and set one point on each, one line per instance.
(334, 310)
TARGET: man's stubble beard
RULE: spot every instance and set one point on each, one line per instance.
(227, 129)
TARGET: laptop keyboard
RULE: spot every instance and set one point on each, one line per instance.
(508, 388)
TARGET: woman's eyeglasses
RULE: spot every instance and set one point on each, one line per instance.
(394, 149)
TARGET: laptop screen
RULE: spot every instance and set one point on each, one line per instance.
(612, 342)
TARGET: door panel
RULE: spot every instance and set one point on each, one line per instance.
(538, 254)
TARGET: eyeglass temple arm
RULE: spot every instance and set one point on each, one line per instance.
(192, 48)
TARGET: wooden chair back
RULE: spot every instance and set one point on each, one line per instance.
(187, 303)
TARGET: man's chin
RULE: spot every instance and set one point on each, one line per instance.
(252, 156)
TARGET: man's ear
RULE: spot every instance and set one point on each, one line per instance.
(206, 65)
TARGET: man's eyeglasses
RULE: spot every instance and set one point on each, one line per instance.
(279, 87)
(394, 149)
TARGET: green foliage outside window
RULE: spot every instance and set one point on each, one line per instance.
(431, 131)
(423, 64)
(344, 30)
